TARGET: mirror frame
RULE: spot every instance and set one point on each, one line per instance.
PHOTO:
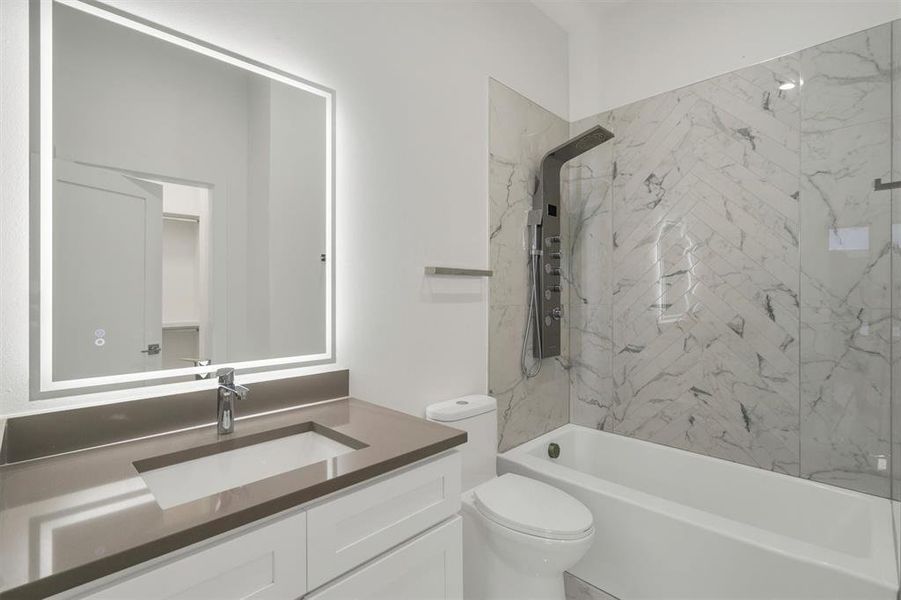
(41, 200)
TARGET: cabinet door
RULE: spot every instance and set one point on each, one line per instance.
(264, 563)
(428, 567)
(358, 526)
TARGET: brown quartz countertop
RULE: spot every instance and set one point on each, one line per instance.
(70, 519)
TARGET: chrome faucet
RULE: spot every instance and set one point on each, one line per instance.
(228, 391)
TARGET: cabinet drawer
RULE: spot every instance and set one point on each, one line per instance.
(269, 562)
(428, 567)
(358, 526)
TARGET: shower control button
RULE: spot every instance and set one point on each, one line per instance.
(554, 288)
(557, 313)
(555, 255)
(554, 239)
(551, 269)
(548, 321)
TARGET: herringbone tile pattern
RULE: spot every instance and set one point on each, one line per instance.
(705, 284)
(704, 292)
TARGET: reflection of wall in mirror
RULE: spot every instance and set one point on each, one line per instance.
(296, 196)
(286, 188)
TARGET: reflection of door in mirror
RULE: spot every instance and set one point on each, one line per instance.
(106, 305)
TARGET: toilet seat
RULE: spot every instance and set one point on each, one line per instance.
(533, 508)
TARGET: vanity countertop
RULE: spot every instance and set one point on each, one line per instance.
(69, 519)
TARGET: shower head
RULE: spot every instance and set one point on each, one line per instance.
(578, 145)
(549, 172)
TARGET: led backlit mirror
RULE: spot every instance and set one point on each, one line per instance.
(182, 206)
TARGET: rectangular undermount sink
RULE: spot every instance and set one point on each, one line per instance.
(200, 472)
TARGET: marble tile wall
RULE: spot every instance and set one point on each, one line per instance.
(700, 313)
(521, 132)
(730, 266)
(588, 263)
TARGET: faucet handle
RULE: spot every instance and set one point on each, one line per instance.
(226, 376)
(227, 381)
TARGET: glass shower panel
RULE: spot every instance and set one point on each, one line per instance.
(846, 262)
(895, 193)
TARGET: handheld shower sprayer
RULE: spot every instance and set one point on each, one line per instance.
(533, 222)
(546, 268)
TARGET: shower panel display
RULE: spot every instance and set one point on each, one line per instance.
(547, 245)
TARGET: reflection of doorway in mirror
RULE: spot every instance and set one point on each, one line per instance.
(185, 269)
(106, 305)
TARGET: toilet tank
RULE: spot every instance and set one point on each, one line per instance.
(477, 416)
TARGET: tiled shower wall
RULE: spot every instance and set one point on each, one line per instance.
(731, 266)
(700, 309)
(521, 132)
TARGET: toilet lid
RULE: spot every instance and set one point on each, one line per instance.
(532, 507)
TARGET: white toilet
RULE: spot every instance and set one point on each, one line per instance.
(519, 534)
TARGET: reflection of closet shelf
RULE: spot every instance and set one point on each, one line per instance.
(181, 325)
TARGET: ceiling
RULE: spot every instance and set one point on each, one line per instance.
(577, 15)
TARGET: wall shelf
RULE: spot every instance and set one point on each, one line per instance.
(458, 272)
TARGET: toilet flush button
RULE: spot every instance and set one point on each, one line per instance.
(463, 407)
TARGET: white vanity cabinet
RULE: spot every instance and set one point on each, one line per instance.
(397, 536)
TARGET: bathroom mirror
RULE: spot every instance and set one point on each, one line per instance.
(182, 206)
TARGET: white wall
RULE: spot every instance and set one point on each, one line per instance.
(621, 52)
(412, 169)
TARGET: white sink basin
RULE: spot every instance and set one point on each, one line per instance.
(201, 477)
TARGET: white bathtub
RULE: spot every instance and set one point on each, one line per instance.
(677, 525)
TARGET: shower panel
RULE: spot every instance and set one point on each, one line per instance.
(547, 247)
